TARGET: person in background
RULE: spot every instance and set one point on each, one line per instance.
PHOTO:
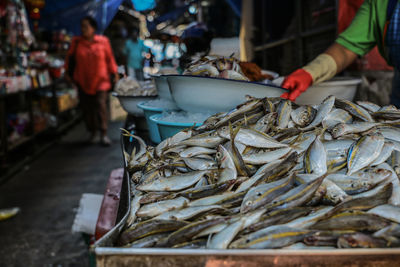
(377, 22)
(94, 64)
(134, 49)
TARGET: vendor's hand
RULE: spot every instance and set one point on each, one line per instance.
(297, 83)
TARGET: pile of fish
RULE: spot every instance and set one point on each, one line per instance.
(131, 87)
(271, 174)
(216, 66)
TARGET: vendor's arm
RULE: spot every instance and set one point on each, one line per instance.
(359, 38)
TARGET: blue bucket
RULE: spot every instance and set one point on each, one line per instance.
(153, 129)
(168, 129)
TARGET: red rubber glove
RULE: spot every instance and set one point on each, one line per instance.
(297, 83)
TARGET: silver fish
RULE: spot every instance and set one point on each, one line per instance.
(335, 117)
(199, 164)
(154, 209)
(387, 211)
(386, 152)
(173, 183)
(222, 239)
(264, 124)
(364, 152)
(135, 205)
(208, 139)
(264, 193)
(272, 237)
(303, 115)
(352, 220)
(354, 109)
(187, 213)
(315, 158)
(342, 129)
(266, 157)
(371, 107)
(250, 137)
(226, 165)
(284, 109)
(323, 110)
(194, 151)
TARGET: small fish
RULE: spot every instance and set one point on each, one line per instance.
(352, 220)
(173, 183)
(264, 193)
(251, 137)
(325, 238)
(278, 217)
(265, 157)
(198, 164)
(147, 228)
(393, 230)
(315, 158)
(334, 194)
(310, 219)
(335, 117)
(222, 239)
(259, 175)
(387, 211)
(303, 115)
(323, 110)
(371, 107)
(211, 200)
(207, 139)
(148, 241)
(186, 233)
(343, 129)
(154, 209)
(265, 123)
(363, 152)
(195, 151)
(194, 244)
(236, 156)
(387, 114)
(296, 196)
(135, 205)
(284, 109)
(207, 190)
(271, 237)
(386, 152)
(226, 164)
(354, 109)
(187, 213)
(360, 240)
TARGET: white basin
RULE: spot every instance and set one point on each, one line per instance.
(209, 94)
(129, 103)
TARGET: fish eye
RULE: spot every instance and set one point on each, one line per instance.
(247, 240)
(259, 194)
(218, 154)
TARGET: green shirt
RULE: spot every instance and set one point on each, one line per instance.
(367, 28)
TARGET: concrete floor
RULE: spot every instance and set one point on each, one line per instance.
(48, 193)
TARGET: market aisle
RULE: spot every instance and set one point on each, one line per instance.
(48, 193)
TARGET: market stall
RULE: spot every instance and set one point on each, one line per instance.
(260, 181)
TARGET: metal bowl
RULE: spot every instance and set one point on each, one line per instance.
(129, 103)
(200, 94)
